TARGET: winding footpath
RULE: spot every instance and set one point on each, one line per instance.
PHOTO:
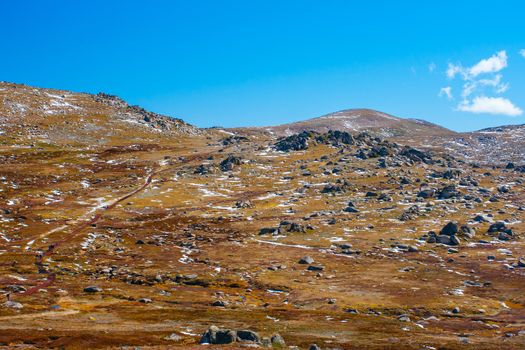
(51, 277)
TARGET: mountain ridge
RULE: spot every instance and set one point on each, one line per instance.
(53, 115)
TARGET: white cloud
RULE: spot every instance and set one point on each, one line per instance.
(453, 69)
(490, 105)
(490, 65)
(493, 64)
(480, 79)
(446, 91)
(431, 67)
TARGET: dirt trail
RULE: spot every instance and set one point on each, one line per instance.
(51, 248)
(51, 277)
(33, 316)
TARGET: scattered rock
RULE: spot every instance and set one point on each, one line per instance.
(173, 337)
(450, 229)
(229, 163)
(13, 305)
(306, 260)
(219, 303)
(248, 336)
(92, 289)
(278, 341)
(428, 193)
(214, 335)
(448, 192)
(315, 268)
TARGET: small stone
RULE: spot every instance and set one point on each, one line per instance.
(306, 260)
(403, 318)
(219, 303)
(278, 341)
(502, 236)
(92, 289)
(13, 305)
(315, 268)
(173, 337)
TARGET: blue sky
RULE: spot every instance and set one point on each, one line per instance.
(238, 63)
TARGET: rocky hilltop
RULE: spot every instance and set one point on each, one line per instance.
(57, 116)
(355, 120)
(498, 146)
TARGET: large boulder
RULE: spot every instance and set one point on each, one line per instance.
(416, 155)
(427, 193)
(269, 231)
(290, 226)
(448, 240)
(248, 336)
(450, 229)
(448, 191)
(499, 227)
(336, 138)
(297, 142)
(229, 163)
(214, 335)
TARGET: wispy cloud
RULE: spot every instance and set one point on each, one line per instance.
(432, 67)
(446, 91)
(453, 70)
(496, 83)
(490, 105)
(522, 52)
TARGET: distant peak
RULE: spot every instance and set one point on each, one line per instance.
(358, 112)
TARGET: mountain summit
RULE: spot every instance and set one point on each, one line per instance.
(350, 120)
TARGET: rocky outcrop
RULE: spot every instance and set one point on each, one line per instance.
(216, 335)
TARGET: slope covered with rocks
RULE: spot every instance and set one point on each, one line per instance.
(173, 237)
(64, 117)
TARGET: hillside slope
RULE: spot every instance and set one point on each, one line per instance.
(58, 116)
(122, 228)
